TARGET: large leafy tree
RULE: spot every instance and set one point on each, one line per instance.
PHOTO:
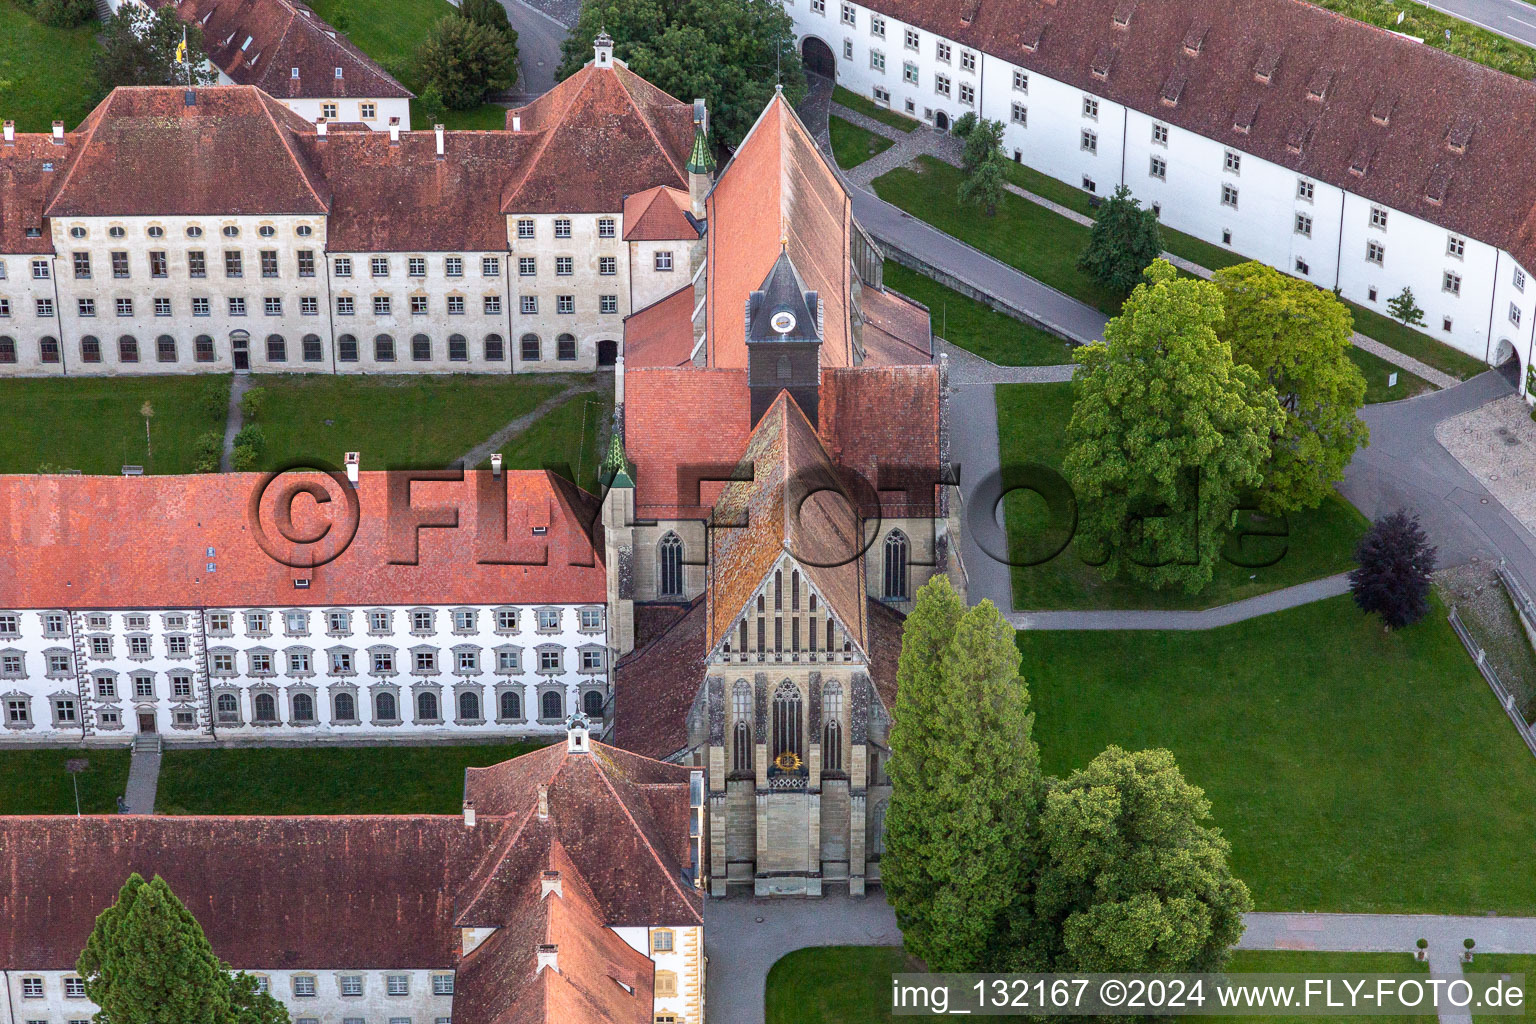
(1166, 433)
(1297, 337)
(466, 60)
(1394, 562)
(982, 159)
(147, 961)
(730, 52)
(966, 781)
(139, 46)
(1124, 242)
(1132, 876)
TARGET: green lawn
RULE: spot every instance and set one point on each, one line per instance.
(1032, 421)
(852, 145)
(35, 782)
(1467, 40)
(46, 74)
(1047, 187)
(1504, 963)
(1352, 769)
(94, 425)
(416, 420)
(1313, 962)
(570, 435)
(323, 780)
(1025, 235)
(977, 327)
(1377, 370)
(867, 107)
(1415, 343)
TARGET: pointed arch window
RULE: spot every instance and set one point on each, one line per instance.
(741, 729)
(832, 731)
(669, 566)
(896, 555)
(786, 721)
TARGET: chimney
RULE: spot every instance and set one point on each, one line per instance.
(602, 50)
(439, 130)
(543, 801)
(58, 133)
(517, 122)
(320, 127)
(548, 956)
(353, 460)
(496, 465)
(10, 131)
(394, 131)
(549, 882)
(469, 814)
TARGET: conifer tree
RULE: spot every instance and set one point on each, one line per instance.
(1124, 242)
(966, 782)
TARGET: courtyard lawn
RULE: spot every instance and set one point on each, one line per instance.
(1025, 235)
(1377, 371)
(93, 424)
(323, 780)
(852, 145)
(416, 420)
(35, 781)
(571, 439)
(1413, 342)
(46, 74)
(1351, 769)
(977, 327)
(1313, 962)
(1506, 964)
(1032, 421)
(867, 107)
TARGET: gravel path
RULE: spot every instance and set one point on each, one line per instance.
(234, 419)
(593, 383)
(1497, 444)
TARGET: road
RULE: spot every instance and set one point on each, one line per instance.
(538, 46)
(1513, 18)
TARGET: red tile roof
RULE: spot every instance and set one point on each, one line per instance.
(1213, 65)
(144, 151)
(31, 167)
(143, 542)
(778, 189)
(897, 330)
(681, 417)
(661, 334)
(658, 214)
(261, 42)
(655, 685)
(884, 416)
(600, 135)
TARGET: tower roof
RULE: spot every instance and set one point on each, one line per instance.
(782, 310)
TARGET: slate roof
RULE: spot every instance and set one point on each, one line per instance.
(144, 542)
(262, 42)
(1364, 109)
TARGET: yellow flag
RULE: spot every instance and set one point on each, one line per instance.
(181, 50)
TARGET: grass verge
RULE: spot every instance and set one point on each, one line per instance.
(46, 74)
(35, 781)
(1466, 40)
(1378, 371)
(570, 438)
(1414, 343)
(323, 780)
(415, 420)
(1313, 962)
(1338, 757)
(852, 145)
(977, 327)
(1031, 423)
(1507, 964)
(867, 107)
(94, 424)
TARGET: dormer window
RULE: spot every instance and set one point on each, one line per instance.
(1123, 11)
(1317, 88)
(1381, 110)
(1459, 135)
(1194, 39)
(247, 44)
(1268, 63)
(338, 72)
(293, 73)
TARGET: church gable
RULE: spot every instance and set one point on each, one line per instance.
(786, 620)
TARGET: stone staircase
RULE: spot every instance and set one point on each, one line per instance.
(104, 10)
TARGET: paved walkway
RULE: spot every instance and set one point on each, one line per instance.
(966, 367)
(591, 383)
(1208, 618)
(143, 780)
(234, 419)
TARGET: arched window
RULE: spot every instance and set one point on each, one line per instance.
(384, 348)
(277, 349)
(384, 707)
(202, 349)
(48, 349)
(783, 371)
(786, 721)
(421, 348)
(565, 347)
(551, 706)
(495, 352)
(458, 348)
(877, 829)
(741, 729)
(303, 707)
(7, 349)
(229, 707)
(529, 348)
(165, 349)
(511, 705)
(832, 730)
(314, 351)
(426, 706)
(592, 704)
(896, 566)
(90, 349)
(346, 708)
(469, 704)
(128, 349)
(266, 707)
(669, 566)
(346, 348)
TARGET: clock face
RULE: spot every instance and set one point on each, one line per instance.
(783, 321)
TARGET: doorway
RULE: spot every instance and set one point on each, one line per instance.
(241, 344)
(146, 721)
(607, 352)
(941, 120)
(817, 57)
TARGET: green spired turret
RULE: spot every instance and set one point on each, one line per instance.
(618, 471)
(700, 161)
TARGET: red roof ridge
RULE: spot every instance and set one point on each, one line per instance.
(293, 154)
(546, 132)
(94, 120)
(643, 833)
(677, 165)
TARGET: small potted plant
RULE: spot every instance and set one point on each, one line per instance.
(1423, 953)
(1467, 944)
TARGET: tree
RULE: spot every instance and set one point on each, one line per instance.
(430, 103)
(65, 13)
(965, 777)
(1404, 310)
(147, 961)
(466, 61)
(139, 48)
(730, 52)
(1166, 432)
(249, 1005)
(492, 15)
(1132, 878)
(1296, 336)
(1124, 242)
(984, 184)
(1394, 562)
